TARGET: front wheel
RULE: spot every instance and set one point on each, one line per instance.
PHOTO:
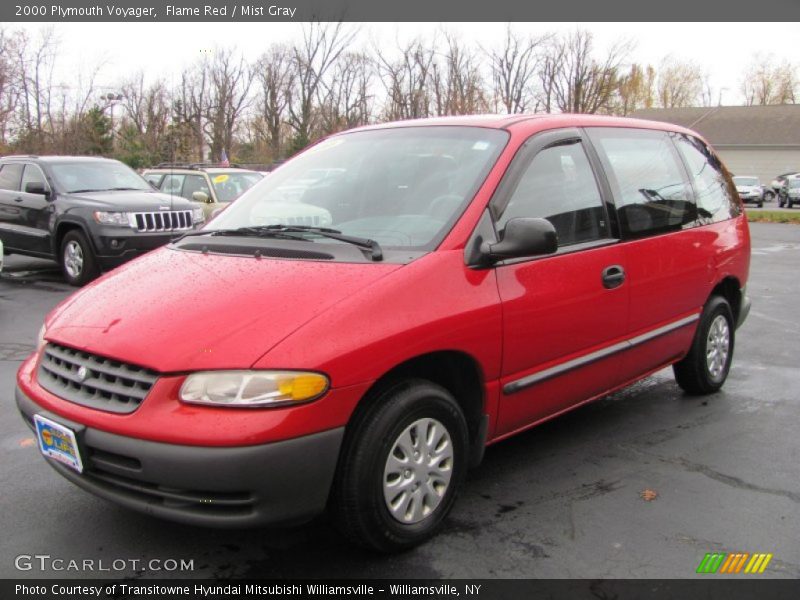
(769, 196)
(705, 368)
(78, 262)
(401, 467)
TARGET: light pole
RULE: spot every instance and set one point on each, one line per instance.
(111, 99)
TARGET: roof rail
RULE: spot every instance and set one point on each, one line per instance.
(196, 165)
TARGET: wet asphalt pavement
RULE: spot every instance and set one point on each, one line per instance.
(570, 498)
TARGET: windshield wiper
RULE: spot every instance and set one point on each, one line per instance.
(82, 191)
(376, 253)
(257, 231)
(286, 231)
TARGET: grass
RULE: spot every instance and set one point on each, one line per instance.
(773, 216)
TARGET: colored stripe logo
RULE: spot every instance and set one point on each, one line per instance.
(734, 562)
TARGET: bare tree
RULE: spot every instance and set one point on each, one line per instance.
(680, 83)
(579, 82)
(9, 91)
(768, 82)
(457, 82)
(229, 79)
(513, 68)
(274, 76)
(346, 102)
(322, 45)
(190, 105)
(408, 80)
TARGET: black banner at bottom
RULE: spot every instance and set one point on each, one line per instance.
(483, 589)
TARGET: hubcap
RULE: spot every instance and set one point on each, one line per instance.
(418, 471)
(718, 346)
(73, 258)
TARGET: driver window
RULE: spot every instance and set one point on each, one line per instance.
(33, 174)
(559, 185)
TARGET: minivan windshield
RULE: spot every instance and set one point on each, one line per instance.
(97, 176)
(746, 181)
(402, 187)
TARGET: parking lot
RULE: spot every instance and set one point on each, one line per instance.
(640, 484)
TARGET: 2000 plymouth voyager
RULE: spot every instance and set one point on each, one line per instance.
(478, 276)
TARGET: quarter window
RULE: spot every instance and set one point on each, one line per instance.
(10, 175)
(650, 188)
(559, 185)
(716, 196)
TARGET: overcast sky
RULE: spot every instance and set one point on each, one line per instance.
(724, 50)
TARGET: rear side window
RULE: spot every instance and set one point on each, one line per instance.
(559, 185)
(647, 178)
(716, 196)
(10, 175)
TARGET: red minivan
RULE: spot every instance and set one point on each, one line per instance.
(458, 280)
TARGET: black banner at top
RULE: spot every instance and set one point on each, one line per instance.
(150, 11)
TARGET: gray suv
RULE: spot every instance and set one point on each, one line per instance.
(89, 214)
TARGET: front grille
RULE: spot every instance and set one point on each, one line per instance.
(173, 220)
(94, 381)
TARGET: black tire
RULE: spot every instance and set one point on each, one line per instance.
(760, 205)
(693, 372)
(358, 504)
(76, 272)
(769, 196)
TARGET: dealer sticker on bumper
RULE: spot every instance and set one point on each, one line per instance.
(58, 442)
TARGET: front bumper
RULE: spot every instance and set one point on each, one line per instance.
(276, 483)
(117, 245)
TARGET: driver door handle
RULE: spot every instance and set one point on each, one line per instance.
(18, 199)
(613, 276)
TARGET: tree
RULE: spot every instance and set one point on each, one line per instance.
(407, 80)
(274, 76)
(680, 83)
(457, 82)
(345, 102)
(768, 82)
(513, 67)
(321, 47)
(577, 81)
(636, 89)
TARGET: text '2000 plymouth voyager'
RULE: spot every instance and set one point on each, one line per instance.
(457, 281)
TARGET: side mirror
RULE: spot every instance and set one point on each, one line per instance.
(523, 236)
(36, 187)
(199, 196)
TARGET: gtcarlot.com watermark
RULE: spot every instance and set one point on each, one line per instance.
(48, 563)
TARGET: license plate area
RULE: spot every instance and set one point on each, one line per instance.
(58, 442)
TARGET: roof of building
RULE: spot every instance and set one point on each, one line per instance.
(777, 125)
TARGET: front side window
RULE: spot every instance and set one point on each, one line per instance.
(402, 187)
(33, 174)
(10, 175)
(717, 198)
(195, 183)
(229, 186)
(559, 185)
(650, 190)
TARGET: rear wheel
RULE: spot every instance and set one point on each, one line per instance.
(705, 368)
(78, 262)
(401, 468)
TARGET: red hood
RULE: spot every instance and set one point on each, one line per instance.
(178, 311)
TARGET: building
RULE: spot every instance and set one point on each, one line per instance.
(751, 140)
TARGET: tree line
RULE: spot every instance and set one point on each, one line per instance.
(264, 110)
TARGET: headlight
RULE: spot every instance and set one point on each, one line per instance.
(40, 340)
(253, 388)
(197, 215)
(112, 218)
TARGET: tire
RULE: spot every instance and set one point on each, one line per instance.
(703, 370)
(78, 263)
(760, 205)
(371, 476)
(769, 196)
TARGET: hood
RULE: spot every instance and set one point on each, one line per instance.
(133, 200)
(175, 311)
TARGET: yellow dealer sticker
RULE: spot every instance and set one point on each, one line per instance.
(220, 178)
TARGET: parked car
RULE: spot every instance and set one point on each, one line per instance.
(750, 189)
(791, 192)
(777, 184)
(481, 275)
(210, 185)
(89, 214)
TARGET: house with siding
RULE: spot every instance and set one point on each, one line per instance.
(751, 140)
